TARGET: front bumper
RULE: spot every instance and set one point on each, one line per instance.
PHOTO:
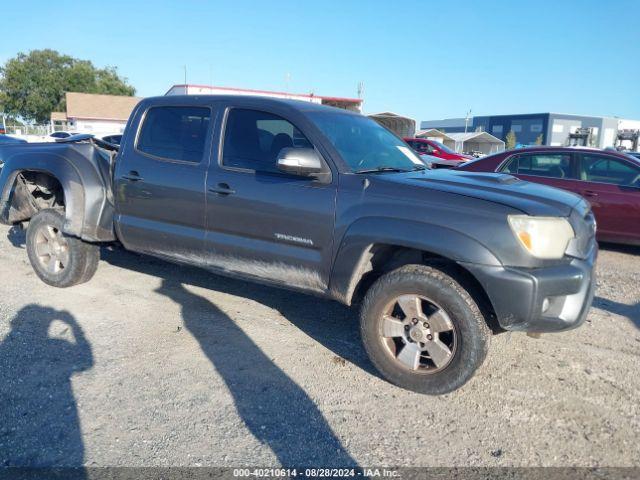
(550, 299)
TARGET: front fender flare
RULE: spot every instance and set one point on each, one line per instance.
(354, 252)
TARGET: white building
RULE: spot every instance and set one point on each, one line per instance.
(548, 128)
(465, 142)
(93, 113)
(353, 104)
(398, 124)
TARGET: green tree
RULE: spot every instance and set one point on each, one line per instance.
(510, 140)
(539, 139)
(10, 120)
(32, 85)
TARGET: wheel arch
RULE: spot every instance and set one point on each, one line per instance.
(372, 247)
(88, 208)
(18, 201)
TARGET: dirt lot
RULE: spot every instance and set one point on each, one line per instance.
(153, 364)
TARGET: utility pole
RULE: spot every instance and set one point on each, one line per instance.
(466, 120)
(287, 81)
(361, 93)
(185, 75)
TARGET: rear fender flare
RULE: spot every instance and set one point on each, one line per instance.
(63, 171)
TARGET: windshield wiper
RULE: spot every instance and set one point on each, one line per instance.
(415, 168)
(381, 169)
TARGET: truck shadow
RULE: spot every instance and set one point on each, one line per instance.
(17, 237)
(273, 407)
(632, 312)
(39, 424)
(331, 324)
(620, 248)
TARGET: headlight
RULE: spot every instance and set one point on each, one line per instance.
(542, 237)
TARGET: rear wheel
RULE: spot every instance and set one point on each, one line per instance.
(59, 260)
(422, 330)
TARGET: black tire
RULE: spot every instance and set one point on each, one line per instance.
(470, 333)
(80, 258)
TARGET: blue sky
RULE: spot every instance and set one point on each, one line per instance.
(426, 59)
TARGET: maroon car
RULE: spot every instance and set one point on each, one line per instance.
(609, 180)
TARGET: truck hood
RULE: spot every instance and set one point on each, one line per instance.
(529, 198)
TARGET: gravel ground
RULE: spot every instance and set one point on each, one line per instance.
(154, 364)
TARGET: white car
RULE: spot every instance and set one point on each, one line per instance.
(58, 135)
(437, 162)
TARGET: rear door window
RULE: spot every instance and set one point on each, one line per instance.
(175, 133)
(551, 165)
(605, 169)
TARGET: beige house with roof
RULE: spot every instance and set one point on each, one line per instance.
(94, 113)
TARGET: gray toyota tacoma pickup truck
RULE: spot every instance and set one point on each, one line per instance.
(319, 200)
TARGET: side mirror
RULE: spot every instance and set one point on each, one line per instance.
(303, 162)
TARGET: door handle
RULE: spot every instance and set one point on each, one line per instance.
(222, 189)
(132, 176)
(590, 193)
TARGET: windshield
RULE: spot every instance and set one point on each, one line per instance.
(364, 144)
(444, 148)
(634, 155)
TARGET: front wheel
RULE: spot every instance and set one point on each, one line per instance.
(422, 330)
(59, 260)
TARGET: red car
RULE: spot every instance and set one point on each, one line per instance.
(609, 180)
(437, 149)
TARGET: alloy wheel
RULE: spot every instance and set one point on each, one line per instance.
(52, 249)
(418, 333)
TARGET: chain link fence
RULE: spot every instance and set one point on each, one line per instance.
(37, 130)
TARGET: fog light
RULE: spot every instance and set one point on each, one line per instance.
(545, 305)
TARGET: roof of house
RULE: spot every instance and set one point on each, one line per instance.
(433, 133)
(231, 90)
(444, 123)
(99, 107)
(484, 136)
(58, 116)
(388, 115)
